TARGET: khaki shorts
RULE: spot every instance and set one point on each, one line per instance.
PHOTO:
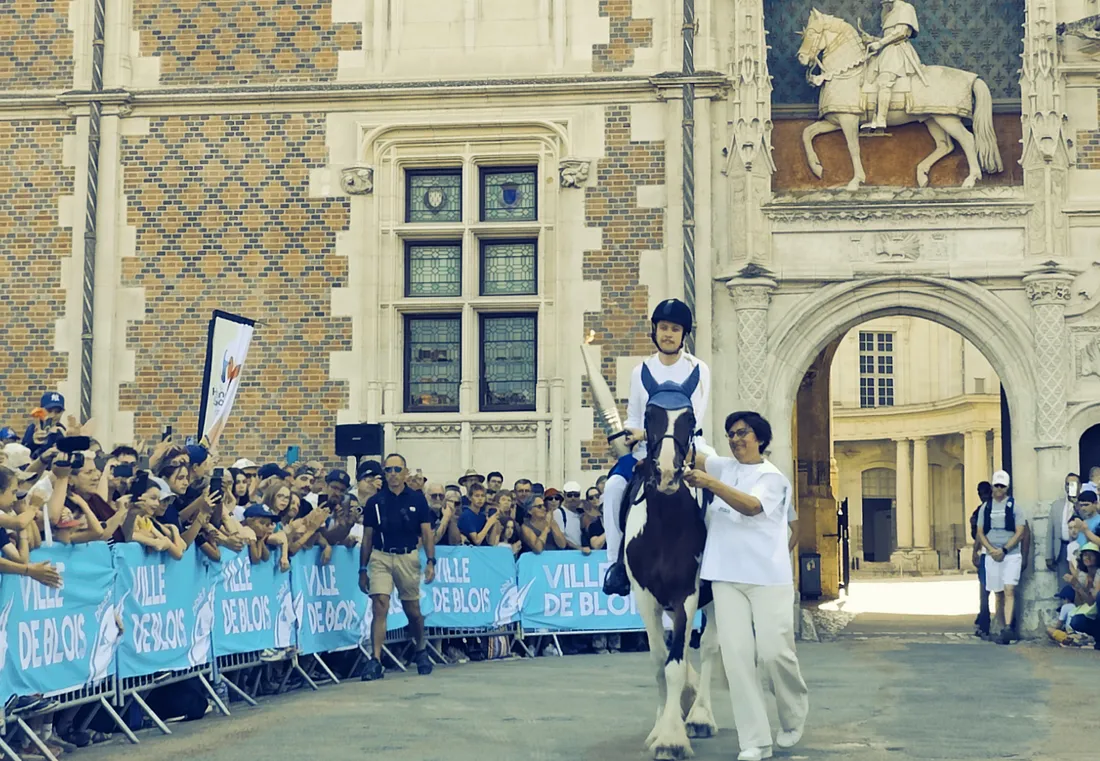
(388, 571)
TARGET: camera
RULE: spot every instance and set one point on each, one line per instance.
(124, 470)
(70, 444)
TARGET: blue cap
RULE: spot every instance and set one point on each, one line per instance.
(272, 469)
(51, 400)
(8, 434)
(259, 511)
(338, 476)
(196, 454)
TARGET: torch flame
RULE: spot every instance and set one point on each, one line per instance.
(591, 337)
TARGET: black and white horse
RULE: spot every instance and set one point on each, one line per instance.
(664, 538)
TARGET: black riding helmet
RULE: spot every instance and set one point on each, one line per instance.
(674, 311)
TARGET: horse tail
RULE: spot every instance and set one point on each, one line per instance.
(989, 155)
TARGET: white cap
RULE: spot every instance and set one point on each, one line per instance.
(244, 464)
(165, 491)
(1000, 478)
(571, 486)
(18, 455)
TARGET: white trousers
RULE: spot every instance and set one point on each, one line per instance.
(768, 659)
(613, 492)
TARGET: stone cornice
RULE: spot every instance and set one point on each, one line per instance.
(899, 204)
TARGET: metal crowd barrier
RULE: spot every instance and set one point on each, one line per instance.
(131, 689)
(101, 694)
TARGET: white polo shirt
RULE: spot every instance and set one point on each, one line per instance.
(748, 549)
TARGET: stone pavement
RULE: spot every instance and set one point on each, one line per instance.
(895, 696)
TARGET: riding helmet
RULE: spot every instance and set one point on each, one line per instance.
(674, 311)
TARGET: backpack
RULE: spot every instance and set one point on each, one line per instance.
(1010, 516)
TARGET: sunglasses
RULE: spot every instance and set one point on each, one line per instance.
(394, 469)
(999, 486)
(435, 496)
(573, 494)
(555, 498)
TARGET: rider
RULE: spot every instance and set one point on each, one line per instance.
(896, 55)
(671, 323)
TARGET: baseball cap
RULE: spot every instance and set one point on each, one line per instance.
(338, 476)
(245, 464)
(259, 511)
(571, 486)
(272, 469)
(51, 400)
(165, 491)
(8, 434)
(1089, 546)
(368, 469)
(196, 454)
(1000, 478)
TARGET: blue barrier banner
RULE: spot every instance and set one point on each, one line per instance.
(246, 602)
(561, 591)
(168, 610)
(328, 604)
(474, 587)
(55, 640)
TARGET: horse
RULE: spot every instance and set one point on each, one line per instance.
(664, 536)
(940, 101)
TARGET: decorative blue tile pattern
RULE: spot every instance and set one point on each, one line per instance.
(983, 36)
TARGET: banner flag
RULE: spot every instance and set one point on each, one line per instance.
(474, 587)
(328, 605)
(246, 602)
(227, 345)
(55, 640)
(167, 610)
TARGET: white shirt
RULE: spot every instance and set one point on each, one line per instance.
(748, 549)
(677, 372)
(570, 524)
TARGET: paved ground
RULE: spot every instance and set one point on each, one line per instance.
(882, 697)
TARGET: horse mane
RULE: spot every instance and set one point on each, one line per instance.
(830, 23)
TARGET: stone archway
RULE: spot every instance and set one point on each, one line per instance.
(1000, 333)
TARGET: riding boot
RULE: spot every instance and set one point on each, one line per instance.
(616, 581)
(882, 109)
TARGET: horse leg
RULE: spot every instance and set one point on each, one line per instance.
(700, 719)
(650, 611)
(953, 126)
(943, 147)
(822, 127)
(672, 740)
(849, 123)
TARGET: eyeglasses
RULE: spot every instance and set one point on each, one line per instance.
(394, 469)
(573, 494)
(435, 496)
(739, 433)
(593, 496)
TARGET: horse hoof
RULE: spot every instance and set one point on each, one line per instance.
(922, 179)
(818, 170)
(853, 186)
(970, 181)
(700, 730)
(672, 752)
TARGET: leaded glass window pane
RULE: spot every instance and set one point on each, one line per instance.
(508, 362)
(433, 196)
(508, 267)
(508, 195)
(433, 363)
(433, 269)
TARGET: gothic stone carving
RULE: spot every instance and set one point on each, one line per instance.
(1048, 292)
(901, 204)
(574, 172)
(433, 429)
(498, 428)
(357, 180)
(1089, 353)
(751, 294)
(857, 69)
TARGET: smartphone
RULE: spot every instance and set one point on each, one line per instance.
(293, 454)
(70, 444)
(125, 470)
(166, 433)
(1071, 489)
(191, 441)
(217, 480)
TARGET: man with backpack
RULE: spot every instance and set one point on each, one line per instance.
(1000, 531)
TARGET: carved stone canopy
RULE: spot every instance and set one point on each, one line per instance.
(1049, 284)
(751, 292)
(357, 180)
(574, 172)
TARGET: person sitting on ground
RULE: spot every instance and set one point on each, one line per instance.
(1060, 630)
(1086, 585)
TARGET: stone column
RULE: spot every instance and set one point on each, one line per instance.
(970, 477)
(922, 514)
(981, 462)
(751, 296)
(904, 496)
(997, 449)
(1049, 291)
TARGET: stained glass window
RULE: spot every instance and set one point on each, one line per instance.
(508, 363)
(509, 195)
(433, 195)
(433, 363)
(433, 269)
(508, 267)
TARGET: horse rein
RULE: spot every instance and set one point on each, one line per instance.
(832, 48)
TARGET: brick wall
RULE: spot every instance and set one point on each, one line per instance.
(627, 35)
(220, 42)
(224, 221)
(32, 178)
(36, 46)
(622, 324)
(1088, 148)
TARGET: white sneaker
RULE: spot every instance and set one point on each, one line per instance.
(788, 738)
(755, 754)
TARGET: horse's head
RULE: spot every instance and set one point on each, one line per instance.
(813, 37)
(669, 428)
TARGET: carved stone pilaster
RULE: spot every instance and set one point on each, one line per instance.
(749, 162)
(357, 180)
(1048, 290)
(751, 294)
(1048, 147)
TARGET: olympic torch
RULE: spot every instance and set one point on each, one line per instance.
(603, 401)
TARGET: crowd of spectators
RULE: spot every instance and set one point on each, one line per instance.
(1075, 558)
(58, 484)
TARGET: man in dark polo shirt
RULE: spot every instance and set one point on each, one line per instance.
(394, 521)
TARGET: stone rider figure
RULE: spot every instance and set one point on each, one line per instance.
(671, 323)
(895, 56)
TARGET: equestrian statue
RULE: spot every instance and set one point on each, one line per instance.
(656, 528)
(882, 80)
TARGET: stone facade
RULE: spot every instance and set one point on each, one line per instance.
(229, 133)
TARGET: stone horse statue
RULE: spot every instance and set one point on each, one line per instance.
(664, 535)
(940, 99)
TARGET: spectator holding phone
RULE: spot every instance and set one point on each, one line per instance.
(14, 548)
(47, 428)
